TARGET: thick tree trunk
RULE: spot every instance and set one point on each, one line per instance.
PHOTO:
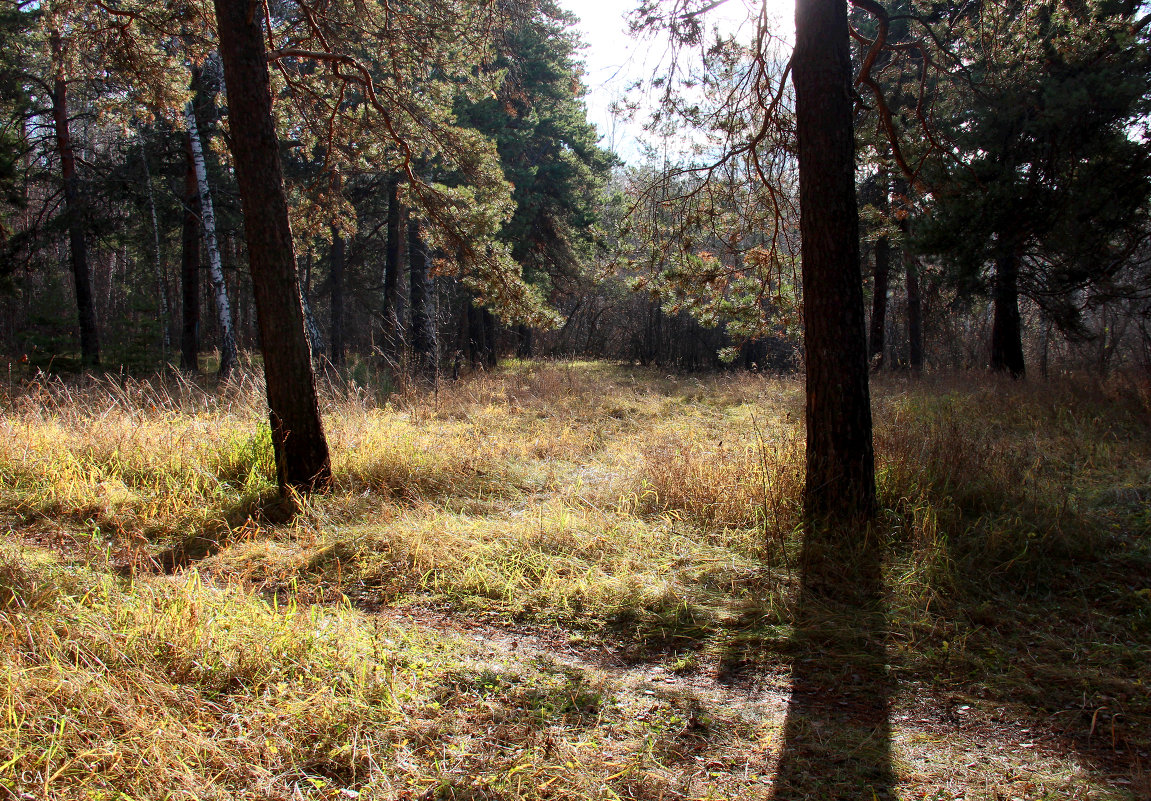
(423, 337)
(914, 314)
(840, 480)
(212, 246)
(336, 300)
(876, 344)
(78, 246)
(190, 266)
(301, 450)
(1007, 330)
(393, 333)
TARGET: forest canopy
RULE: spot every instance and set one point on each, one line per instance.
(1001, 171)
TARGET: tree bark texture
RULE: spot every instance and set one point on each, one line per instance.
(78, 245)
(840, 483)
(301, 450)
(190, 266)
(423, 337)
(212, 247)
(1007, 330)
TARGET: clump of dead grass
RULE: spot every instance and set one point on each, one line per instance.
(174, 688)
(750, 485)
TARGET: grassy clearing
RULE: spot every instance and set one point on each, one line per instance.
(570, 580)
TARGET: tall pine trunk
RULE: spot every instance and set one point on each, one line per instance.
(393, 334)
(423, 336)
(840, 482)
(301, 450)
(1007, 330)
(190, 266)
(876, 344)
(212, 246)
(475, 334)
(491, 355)
(78, 245)
(524, 340)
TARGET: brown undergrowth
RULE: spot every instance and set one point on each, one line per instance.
(572, 580)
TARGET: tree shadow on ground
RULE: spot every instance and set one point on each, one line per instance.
(1053, 637)
(267, 507)
(836, 737)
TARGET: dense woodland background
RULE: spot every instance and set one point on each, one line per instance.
(1003, 171)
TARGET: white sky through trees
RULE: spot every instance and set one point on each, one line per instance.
(615, 62)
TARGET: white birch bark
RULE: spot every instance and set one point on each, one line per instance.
(315, 338)
(212, 246)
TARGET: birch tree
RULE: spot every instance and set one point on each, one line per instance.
(212, 247)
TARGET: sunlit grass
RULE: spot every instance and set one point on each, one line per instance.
(656, 517)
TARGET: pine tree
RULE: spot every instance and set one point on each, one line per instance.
(301, 449)
(840, 480)
(1046, 186)
(538, 121)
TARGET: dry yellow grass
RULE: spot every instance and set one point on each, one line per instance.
(647, 517)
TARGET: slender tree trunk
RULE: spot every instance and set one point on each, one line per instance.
(1043, 353)
(212, 246)
(312, 330)
(475, 334)
(840, 481)
(301, 450)
(1007, 330)
(311, 327)
(914, 314)
(336, 286)
(524, 337)
(875, 349)
(85, 303)
(157, 263)
(190, 266)
(879, 302)
(491, 357)
(393, 336)
(423, 336)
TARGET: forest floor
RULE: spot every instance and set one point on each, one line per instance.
(572, 581)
